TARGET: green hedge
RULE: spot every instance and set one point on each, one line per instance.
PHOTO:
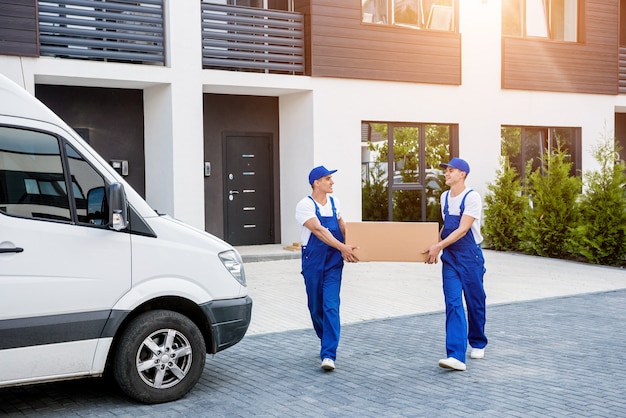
(550, 214)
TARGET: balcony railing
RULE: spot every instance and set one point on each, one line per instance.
(622, 70)
(120, 30)
(248, 39)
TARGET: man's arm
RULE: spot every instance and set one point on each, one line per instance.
(324, 235)
(434, 250)
(342, 228)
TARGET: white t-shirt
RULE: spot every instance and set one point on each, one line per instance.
(305, 210)
(473, 208)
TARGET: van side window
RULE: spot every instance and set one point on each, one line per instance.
(31, 175)
(88, 189)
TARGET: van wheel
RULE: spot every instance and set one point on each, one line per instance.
(159, 357)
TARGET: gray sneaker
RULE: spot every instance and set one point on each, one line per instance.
(328, 364)
(452, 363)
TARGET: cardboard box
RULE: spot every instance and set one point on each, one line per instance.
(392, 241)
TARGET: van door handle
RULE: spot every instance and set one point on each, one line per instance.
(11, 250)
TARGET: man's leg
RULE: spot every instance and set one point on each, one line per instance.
(313, 284)
(475, 299)
(456, 325)
(331, 321)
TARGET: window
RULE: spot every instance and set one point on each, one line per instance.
(420, 14)
(556, 20)
(259, 4)
(88, 189)
(33, 183)
(522, 145)
(401, 178)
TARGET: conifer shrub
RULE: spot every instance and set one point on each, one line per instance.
(374, 195)
(504, 210)
(553, 214)
(601, 235)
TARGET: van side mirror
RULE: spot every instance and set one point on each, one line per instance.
(96, 206)
(118, 207)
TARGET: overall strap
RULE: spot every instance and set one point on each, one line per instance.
(332, 203)
(462, 208)
(317, 209)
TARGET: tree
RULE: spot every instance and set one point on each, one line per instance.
(505, 207)
(553, 213)
(601, 235)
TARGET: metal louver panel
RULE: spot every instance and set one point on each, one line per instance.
(252, 39)
(120, 30)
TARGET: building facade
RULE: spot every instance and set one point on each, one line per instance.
(216, 110)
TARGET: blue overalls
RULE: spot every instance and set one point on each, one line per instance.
(322, 266)
(463, 270)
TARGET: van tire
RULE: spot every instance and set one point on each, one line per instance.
(139, 368)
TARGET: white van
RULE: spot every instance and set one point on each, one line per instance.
(92, 279)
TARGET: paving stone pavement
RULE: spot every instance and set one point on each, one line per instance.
(557, 352)
(558, 357)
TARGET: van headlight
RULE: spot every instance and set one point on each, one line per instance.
(233, 263)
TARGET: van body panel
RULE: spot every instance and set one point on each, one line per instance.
(229, 321)
(19, 103)
(36, 364)
(186, 255)
(52, 329)
(70, 270)
(101, 356)
(80, 290)
(157, 287)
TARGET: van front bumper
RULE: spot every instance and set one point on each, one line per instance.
(228, 321)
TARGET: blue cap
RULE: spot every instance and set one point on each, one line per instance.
(318, 173)
(457, 163)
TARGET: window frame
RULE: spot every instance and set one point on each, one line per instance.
(575, 149)
(424, 18)
(547, 7)
(421, 185)
(67, 176)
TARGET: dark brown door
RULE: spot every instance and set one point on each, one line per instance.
(248, 206)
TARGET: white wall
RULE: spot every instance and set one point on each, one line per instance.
(185, 61)
(341, 105)
(158, 134)
(479, 100)
(479, 106)
(320, 118)
(297, 157)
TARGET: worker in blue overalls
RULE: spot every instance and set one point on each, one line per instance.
(323, 254)
(463, 267)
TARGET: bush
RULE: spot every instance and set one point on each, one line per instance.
(407, 206)
(553, 213)
(556, 220)
(601, 236)
(374, 196)
(504, 210)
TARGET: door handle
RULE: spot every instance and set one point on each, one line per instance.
(232, 192)
(11, 250)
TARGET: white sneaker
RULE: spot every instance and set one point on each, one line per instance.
(452, 363)
(328, 364)
(477, 353)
